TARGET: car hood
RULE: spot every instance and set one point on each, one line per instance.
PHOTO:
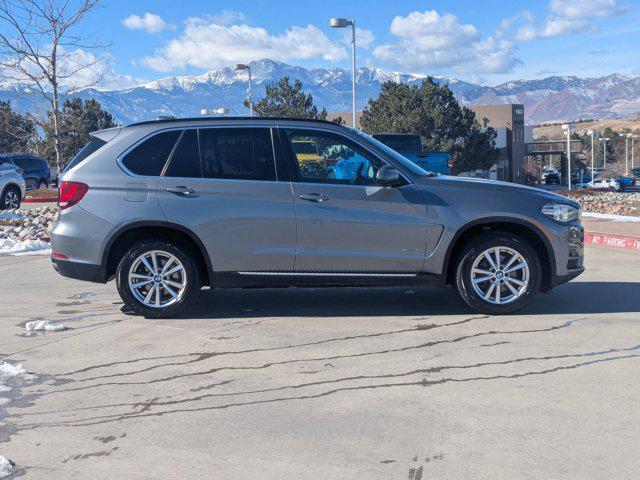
(483, 185)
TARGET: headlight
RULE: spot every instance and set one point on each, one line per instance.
(561, 212)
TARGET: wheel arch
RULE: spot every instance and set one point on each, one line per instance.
(531, 232)
(131, 233)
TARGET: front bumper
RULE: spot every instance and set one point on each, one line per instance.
(80, 271)
(560, 279)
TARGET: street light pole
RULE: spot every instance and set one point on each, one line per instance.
(239, 67)
(592, 133)
(343, 23)
(567, 127)
(604, 148)
(626, 155)
(633, 137)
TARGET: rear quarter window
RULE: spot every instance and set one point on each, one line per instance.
(149, 157)
(93, 146)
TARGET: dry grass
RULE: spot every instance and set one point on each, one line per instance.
(42, 193)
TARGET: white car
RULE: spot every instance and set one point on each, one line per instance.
(12, 186)
(605, 184)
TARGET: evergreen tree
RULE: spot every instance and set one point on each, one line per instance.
(77, 120)
(17, 132)
(285, 100)
(431, 111)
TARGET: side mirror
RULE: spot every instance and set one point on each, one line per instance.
(388, 176)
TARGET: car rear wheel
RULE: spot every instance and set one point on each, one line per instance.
(498, 273)
(158, 279)
(10, 198)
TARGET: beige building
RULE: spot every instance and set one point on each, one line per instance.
(508, 121)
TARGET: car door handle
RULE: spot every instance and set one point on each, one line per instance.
(315, 197)
(182, 190)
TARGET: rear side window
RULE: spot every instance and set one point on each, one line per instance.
(149, 157)
(185, 161)
(239, 153)
(22, 163)
(93, 146)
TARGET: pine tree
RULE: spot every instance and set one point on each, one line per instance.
(17, 132)
(285, 100)
(77, 121)
(431, 111)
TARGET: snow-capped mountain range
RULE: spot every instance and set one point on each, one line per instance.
(552, 98)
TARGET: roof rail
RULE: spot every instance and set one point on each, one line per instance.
(219, 119)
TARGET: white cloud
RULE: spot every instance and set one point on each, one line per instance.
(149, 22)
(364, 38)
(568, 17)
(205, 44)
(228, 17)
(430, 40)
(586, 9)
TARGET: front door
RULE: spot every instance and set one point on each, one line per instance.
(221, 184)
(345, 222)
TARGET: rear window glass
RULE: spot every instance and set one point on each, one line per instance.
(239, 153)
(93, 146)
(149, 157)
(185, 161)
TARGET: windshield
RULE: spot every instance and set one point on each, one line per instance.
(405, 162)
(401, 143)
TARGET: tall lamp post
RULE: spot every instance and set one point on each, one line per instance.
(604, 148)
(240, 67)
(592, 134)
(567, 127)
(633, 148)
(343, 23)
(626, 153)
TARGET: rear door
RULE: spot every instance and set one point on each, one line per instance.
(345, 222)
(221, 183)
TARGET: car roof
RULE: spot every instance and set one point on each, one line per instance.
(208, 119)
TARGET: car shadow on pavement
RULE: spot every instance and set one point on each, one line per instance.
(575, 297)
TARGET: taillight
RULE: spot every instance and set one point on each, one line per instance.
(70, 193)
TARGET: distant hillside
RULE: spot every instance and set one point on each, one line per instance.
(552, 98)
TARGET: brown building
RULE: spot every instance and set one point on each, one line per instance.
(508, 121)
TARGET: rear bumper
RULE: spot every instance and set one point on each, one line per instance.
(80, 271)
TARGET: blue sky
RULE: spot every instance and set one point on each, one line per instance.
(488, 41)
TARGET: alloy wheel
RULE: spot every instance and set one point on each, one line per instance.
(157, 279)
(500, 275)
(11, 200)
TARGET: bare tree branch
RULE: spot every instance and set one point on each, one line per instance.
(35, 41)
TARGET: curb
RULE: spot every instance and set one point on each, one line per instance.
(611, 240)
(39, 200)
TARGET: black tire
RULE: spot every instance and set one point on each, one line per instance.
(474, 249)
(193, 282)
(43, 184)
(6, 195)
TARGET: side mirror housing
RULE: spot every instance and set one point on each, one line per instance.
(388, 176)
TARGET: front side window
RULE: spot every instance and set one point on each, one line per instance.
(237, 153)
(149, 157)
(323, 157)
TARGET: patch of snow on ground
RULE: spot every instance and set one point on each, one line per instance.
(7, 467)
(12, 246)
(38, 325)
(615, 218)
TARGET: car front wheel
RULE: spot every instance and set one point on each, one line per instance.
(158, 279)
(498, 273)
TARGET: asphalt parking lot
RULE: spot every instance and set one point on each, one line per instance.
(325, 383)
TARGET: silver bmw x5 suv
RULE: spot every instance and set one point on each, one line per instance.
(167, 207)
